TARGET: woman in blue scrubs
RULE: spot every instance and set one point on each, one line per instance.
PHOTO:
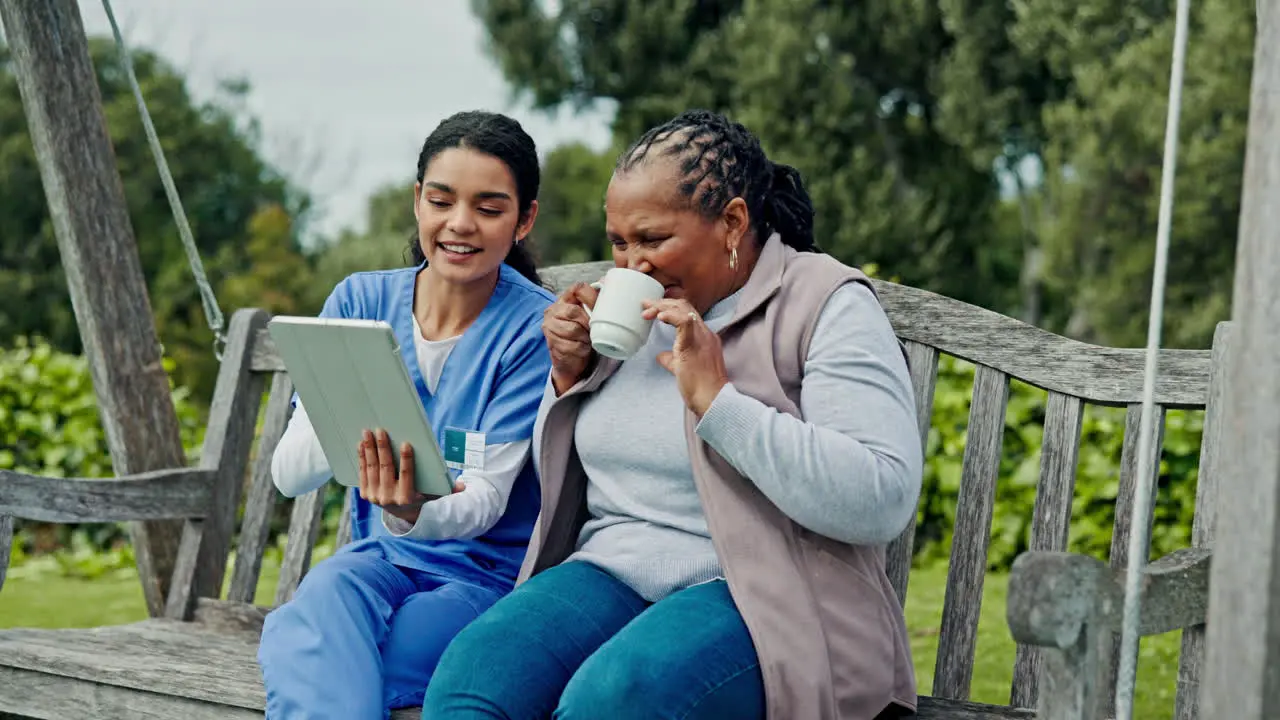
(365, 629)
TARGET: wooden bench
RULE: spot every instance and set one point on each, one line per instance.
(199, 661)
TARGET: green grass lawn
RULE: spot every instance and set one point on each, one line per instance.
(53, 601)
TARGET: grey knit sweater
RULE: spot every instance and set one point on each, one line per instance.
(850, 470)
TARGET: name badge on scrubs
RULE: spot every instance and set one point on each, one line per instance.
(463, 449)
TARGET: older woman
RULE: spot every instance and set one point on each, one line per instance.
(714, 509)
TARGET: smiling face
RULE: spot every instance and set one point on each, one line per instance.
(654, 230)
(468, 215)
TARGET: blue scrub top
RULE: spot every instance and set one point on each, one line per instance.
(492, 382)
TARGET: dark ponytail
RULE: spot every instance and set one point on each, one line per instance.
(787, 208)
(503, 138)
(719, 160)
(522, 260)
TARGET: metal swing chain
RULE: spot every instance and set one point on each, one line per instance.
(212, 313)
(1139, 544)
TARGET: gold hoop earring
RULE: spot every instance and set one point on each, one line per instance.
(733, 258)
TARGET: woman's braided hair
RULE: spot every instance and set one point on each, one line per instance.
(720, 160)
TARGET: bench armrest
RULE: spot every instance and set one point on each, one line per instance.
(185, 493)
(1071, 605)
(158, 495)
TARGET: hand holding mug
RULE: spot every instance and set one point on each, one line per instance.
(567, 327)
(696, 358)
(383, 486)
(619, 327)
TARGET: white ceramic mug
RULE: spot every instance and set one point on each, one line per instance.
(617, 328)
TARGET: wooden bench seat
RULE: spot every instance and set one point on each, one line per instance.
(200, 661)
(156, 668)
(169, 669)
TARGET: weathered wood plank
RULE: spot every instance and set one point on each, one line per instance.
(1057, 591)
(160, 494)
(923, 363)
(163, 657)
(1070, 606)
(6, 542)
(260, 503)
(1051, 517)
(304, 528)
(225, 617)
(1191, 659)
(1126, 497)
(344, 520)
(265, 357)
(34, 694)
(930, 709)
(1175, 591)
(560, 277)
(227, 442)
(182, 591)
(962, 604)
(1107, 376)
(49, 58)
(1064, 603)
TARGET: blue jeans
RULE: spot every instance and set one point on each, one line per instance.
(361, 636)
(574, 642)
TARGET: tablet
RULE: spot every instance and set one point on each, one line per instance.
(350, 376)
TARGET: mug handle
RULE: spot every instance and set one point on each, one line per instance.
(598, 285)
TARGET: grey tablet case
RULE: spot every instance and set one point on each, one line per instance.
(350, 376)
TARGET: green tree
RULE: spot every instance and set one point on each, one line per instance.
(914, 123)
(1103, 161)
(383, 244)
(265, 270)
(212, 150)
(570, 226)
(843, 91)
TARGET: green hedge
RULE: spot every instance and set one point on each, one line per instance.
(49, 426)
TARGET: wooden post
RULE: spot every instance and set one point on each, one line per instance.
(63, 107)
(1242, 668)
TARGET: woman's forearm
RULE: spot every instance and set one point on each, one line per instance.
(851, 468)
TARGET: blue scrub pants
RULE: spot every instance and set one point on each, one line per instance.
(361, 636)
(574, 642)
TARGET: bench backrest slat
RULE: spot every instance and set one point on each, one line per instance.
(260, 501)
(228, 441)
(304, 529)
(1126, 495)
(957, 638)
(1099, 375)
(923, 363)
(344, 522)
(1191, 659)
(183, 495)
(1126, 499)
(1051, 516)
(6, 542)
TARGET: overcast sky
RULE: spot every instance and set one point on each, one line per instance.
(355, 85)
